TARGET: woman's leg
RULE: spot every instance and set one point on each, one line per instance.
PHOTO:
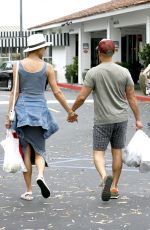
(40, 164)
(28, 174)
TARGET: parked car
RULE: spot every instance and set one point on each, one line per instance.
(6, 75)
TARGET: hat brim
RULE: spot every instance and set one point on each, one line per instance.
(37, 47)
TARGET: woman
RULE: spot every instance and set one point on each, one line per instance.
(146, 70)
(147, 83)
(34, 122)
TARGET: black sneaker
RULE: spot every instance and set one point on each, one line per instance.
(44, 188)
(106, 194)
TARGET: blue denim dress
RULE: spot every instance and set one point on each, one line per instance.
(34, 122)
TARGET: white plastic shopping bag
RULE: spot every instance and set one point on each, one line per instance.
(13, 161)
(137, 152)
(145, 156)
(148, 87)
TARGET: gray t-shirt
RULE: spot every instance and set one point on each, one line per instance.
(109, 81)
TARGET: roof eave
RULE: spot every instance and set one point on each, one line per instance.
(95, 16)
(113, 13)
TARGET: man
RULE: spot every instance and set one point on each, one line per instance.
(113, 89)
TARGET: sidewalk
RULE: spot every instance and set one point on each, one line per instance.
(139, 94)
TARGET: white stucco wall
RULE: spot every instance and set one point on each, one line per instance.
(70, 50)
(59, 61)
(113, 26)
(115, 35)
(130, 19)
(95, 25)
(62, 56)
(84, 52)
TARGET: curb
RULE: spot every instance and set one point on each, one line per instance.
(78, 87)
(143, 98)
(69, 86)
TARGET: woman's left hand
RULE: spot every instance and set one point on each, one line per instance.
(72, 117)
(7, 123)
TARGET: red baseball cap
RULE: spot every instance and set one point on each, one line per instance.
(106, 46)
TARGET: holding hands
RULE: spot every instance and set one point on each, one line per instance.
(72, 117)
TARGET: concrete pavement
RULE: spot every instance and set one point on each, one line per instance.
(75, 201)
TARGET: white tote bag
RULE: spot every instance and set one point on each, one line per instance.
(13, 161)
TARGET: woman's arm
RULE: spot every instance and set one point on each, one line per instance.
(146, 70)
(8, 122)
(58, 93)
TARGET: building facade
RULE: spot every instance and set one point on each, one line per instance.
(126, 22)
(13, 42)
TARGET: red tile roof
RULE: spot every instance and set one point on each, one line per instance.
(98, 9)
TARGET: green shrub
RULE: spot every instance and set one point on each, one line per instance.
(144, 55)
(72, 71)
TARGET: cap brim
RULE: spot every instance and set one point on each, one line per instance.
(38, 47)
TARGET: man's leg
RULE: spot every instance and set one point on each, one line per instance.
(99, 161)
(101, 138)
(117, 142)
(116, 166)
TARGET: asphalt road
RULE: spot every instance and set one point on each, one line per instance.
(75, 202)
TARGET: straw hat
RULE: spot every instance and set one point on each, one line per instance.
(36, 41)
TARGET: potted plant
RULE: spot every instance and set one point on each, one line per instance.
(72, 71)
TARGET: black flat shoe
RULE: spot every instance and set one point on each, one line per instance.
(106, 193)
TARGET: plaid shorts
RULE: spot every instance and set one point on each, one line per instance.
(113, 133)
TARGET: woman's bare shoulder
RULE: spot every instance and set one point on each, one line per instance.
(32, 65)
(49, 65)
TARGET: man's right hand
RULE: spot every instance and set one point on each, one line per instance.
(139, 125)
(72, 117)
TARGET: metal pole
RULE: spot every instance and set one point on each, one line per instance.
(21, 50)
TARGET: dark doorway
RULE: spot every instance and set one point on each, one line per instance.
(129, 52)
(76, 45)
(94, 51)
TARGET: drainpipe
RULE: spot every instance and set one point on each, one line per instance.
(148, 30)
(21, 48)
(108, 29)
(80, 56)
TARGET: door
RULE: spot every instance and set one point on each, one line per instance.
(129, 54)
(94, 51)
